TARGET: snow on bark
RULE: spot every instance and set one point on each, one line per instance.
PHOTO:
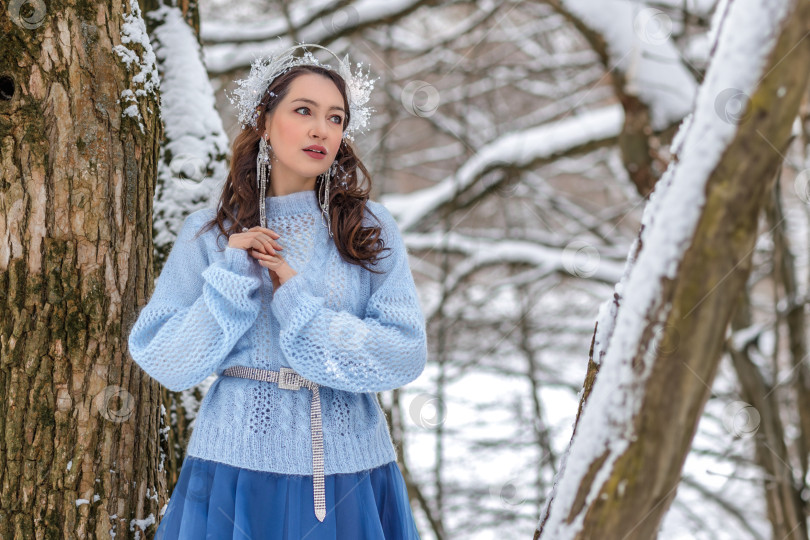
(141, 62)
(639, 44)
(669, 222)
(193, 156)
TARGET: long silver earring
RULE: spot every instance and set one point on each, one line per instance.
(326, 179)
(263, 167)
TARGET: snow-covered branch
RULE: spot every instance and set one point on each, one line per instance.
(517, 150)
(698, 231)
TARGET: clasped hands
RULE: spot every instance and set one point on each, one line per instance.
(261, 244)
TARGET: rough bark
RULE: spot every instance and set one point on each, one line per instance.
(80, 452)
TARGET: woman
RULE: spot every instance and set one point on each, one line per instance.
(290, 440)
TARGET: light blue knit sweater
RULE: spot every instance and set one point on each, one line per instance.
(337, 324)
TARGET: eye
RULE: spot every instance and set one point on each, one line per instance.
(339, 118)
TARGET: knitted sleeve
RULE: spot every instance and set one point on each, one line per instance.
(383, 350)
(197, 312)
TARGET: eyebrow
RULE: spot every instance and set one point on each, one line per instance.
(305, 100)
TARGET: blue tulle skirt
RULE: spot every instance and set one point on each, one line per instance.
(218, 501)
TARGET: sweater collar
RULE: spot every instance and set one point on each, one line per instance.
(297, 202)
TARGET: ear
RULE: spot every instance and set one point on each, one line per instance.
(264, 130)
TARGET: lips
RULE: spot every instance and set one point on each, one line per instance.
(316, 151)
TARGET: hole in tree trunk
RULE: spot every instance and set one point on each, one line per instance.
(6, 87)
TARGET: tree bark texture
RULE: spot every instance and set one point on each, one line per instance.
(81, 450)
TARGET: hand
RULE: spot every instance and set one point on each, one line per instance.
(261, 244)
(257, 238)
(278, 268)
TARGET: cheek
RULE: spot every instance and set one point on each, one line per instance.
(285, 127)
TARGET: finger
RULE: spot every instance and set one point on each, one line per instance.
(270, 243)
(275, 260)
(268, 264)
(267, 241)
(273, 235)
(271, 232)
(263, 246)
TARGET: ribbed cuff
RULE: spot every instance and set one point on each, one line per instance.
(237, 260)
(287, 297)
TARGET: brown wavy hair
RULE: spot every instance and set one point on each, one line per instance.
(356, 244)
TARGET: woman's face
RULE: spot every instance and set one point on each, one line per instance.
(311, 113)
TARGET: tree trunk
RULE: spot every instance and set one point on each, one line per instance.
(629, 447)
(79, 128)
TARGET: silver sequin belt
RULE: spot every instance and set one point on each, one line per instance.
(288, 379)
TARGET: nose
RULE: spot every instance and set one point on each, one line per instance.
(319, 129)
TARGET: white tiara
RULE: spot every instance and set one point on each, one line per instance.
(247, 97)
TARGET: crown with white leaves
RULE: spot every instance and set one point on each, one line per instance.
(247, 97)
